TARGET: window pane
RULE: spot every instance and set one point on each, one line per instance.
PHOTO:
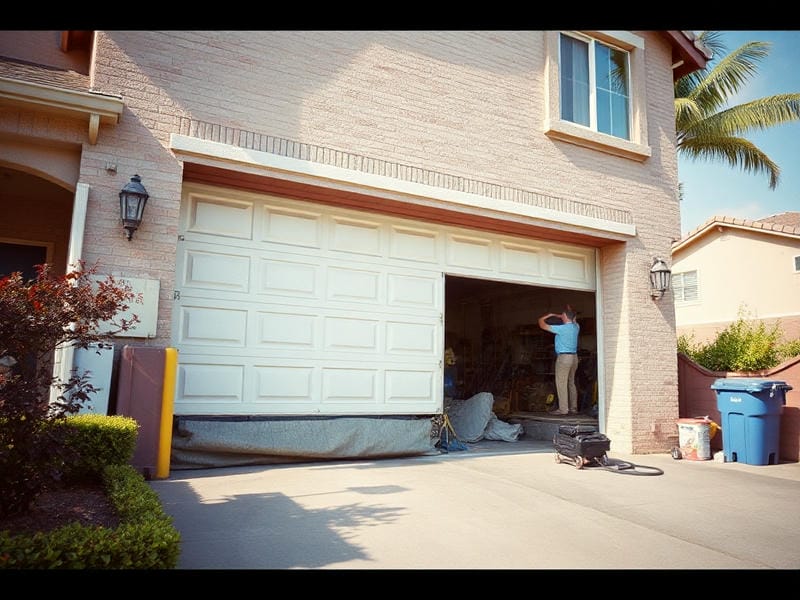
(685, 287)
(797, 263)
(601, 69)
(690, 287)
(618, 72)
(611, 75)
(574, 80)
(604, 118)
(619, 117)
(677, 286)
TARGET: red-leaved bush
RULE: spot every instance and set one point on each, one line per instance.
(37, 317)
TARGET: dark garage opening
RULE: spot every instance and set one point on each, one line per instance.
(494, 344)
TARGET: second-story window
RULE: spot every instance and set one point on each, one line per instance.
(595, 84)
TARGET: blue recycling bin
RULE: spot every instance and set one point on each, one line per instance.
(751, 418)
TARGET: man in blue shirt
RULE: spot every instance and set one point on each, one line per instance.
(566, 345)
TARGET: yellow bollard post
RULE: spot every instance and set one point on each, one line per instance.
(167, 407)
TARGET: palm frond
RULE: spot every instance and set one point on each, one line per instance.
(687, 114)
(714, 41)
(757, 115)
(728, 76)
(736, 151)
(686, 85)
(708, 129)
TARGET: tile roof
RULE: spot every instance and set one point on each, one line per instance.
(792, 219)
(786, 223)
(43, 75)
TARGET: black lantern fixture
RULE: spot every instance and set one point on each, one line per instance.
(132, 199)
(660, 276)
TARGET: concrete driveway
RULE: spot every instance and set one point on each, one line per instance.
(499, 505)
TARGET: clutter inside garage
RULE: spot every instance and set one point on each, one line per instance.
(493, 344)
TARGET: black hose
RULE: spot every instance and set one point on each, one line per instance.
(625, 468)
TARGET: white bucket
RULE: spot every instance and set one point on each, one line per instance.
(694, 438)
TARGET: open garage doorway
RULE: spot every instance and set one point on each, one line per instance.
(494, 344)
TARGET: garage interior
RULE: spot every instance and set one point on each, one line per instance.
(493, 344)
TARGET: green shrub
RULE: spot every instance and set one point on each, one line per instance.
(99, 441)
(686, 345)
(743, 346)
(145, 538)
(789, 350)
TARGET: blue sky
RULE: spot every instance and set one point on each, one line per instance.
(714, 188)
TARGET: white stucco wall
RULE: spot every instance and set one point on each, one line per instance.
(740, 271)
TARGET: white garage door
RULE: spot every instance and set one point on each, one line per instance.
(294, 308)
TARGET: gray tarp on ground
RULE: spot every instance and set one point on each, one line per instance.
(473, 419)
(203, 442)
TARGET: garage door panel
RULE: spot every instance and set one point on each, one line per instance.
(471, 252)
(204, 381)
(409, 386)
(348, 334)
(355, 236)
(282, 225)
(568, 266)
(212, 326)
(418, 292)
(411, 338)
(517, 259)
(411, 244)
(354, 285)
(219, 216)
(225, 384)
(288, 278)
(282, 383)
(216, 270)
(285, 330)
(350, 385)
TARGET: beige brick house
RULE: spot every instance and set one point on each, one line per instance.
(329, 211)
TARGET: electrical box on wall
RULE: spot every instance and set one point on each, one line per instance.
(99, 364)
(144, 305)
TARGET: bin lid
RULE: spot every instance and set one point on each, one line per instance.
(749, 384)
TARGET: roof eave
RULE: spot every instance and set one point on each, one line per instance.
(687, 55)
(96, 108)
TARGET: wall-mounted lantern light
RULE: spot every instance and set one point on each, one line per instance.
(132, 200)
(660, 276)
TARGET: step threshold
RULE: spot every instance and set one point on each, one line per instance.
(547, 417)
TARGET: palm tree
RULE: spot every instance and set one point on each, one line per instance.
(707, 128)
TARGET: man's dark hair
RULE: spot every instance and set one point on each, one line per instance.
(570, 314)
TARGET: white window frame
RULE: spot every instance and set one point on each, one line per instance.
(635, 148)
(591, 47)
(681, 299)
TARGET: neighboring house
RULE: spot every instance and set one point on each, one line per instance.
(728, 267)
(329, 211)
